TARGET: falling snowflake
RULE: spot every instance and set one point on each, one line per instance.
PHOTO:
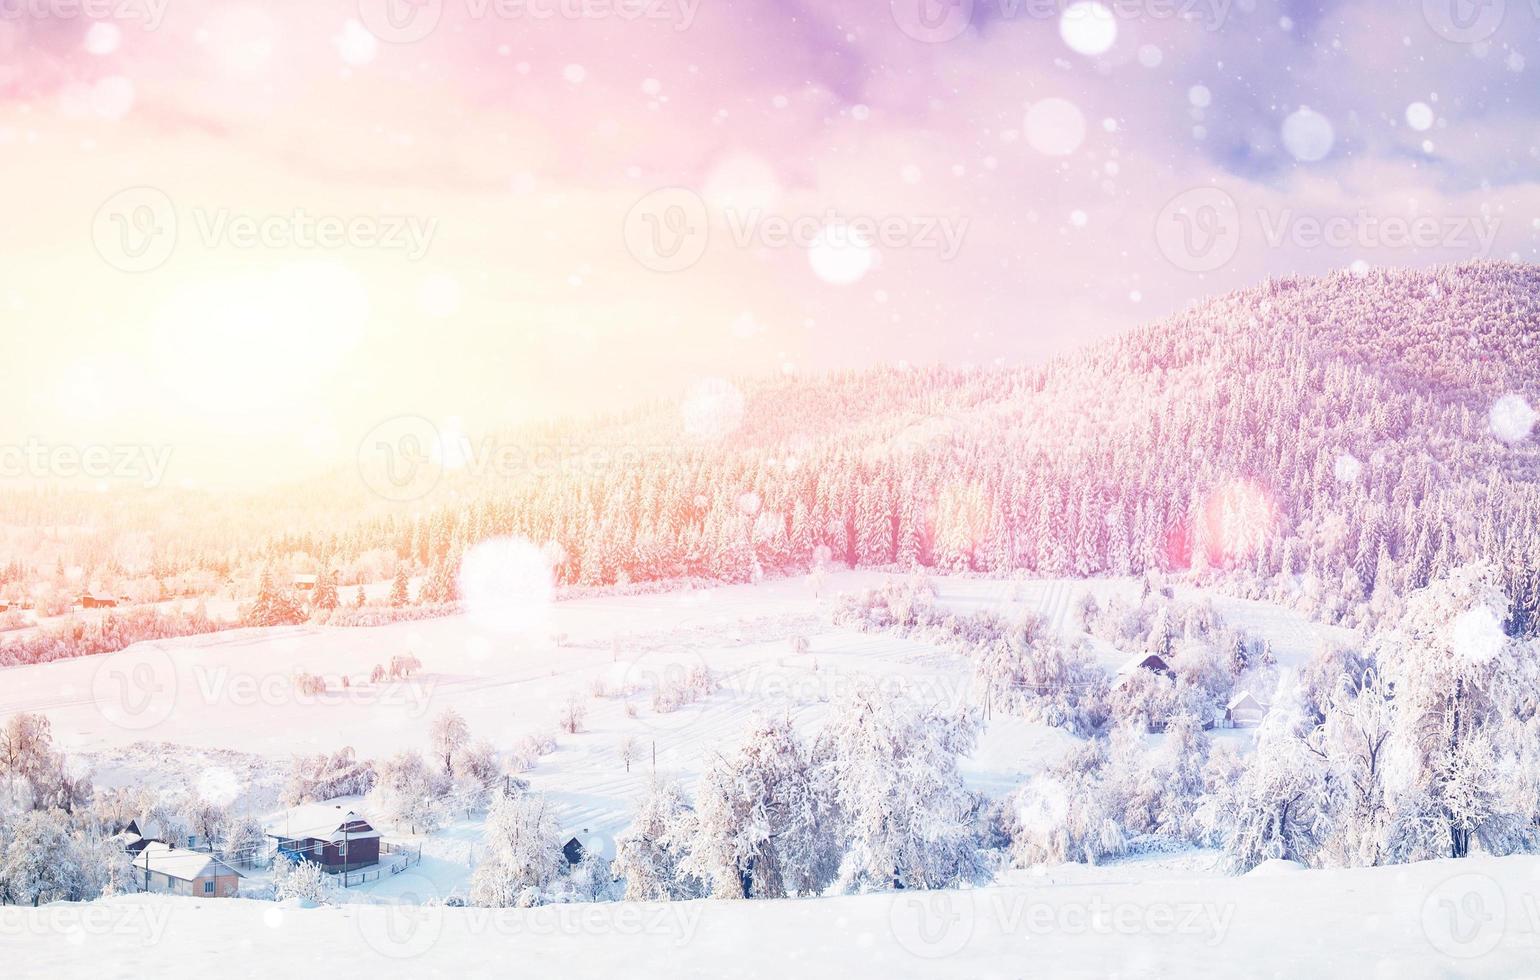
(1055, 127)
(218, 785)
(1476, 636)
(102, 38)
(1512, 419)
(1419, 116)
(840, 255)
(1308, 135)
(356, 44)
(712, 410)
(112, 97)
(508, 587)
(439, 296)
(1043, 806)
(1347, 468)
(1088, 27)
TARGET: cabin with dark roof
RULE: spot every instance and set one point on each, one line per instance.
(338, 840)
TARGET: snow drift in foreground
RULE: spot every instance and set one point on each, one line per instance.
(1475, 917)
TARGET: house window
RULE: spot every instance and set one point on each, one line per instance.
(342, 850)
(208, 888)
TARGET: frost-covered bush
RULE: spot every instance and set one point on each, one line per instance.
(78, 636)
(407, 793)
(573, 713)
(528, 749)
(1044, 680)
(325, 776)
(1064, 814)
(44, 859)
(675, 692)
(309, 684)
(301, 881)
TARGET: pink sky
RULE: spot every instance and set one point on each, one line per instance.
(486, 178)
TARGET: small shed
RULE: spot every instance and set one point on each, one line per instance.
(335, 838)
(178, 871)
(305, 583)
(1152, 662)
(92, 601)
(141, 833)
(1244, 711)
(582, 843)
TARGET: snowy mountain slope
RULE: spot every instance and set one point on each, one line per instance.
(1318, 438)
(1475, 918)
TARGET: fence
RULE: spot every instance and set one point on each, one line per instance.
(401, 857)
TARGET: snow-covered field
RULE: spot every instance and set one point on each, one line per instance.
(222, 710)
(1475, 917)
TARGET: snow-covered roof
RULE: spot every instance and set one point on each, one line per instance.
(306, 579)
(320, 821)
(1244, 698)
(146, 828)
(1139, 660)
(181, 863)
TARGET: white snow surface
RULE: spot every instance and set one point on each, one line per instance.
(1473, 917)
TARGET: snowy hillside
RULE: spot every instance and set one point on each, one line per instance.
(1327, 443)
